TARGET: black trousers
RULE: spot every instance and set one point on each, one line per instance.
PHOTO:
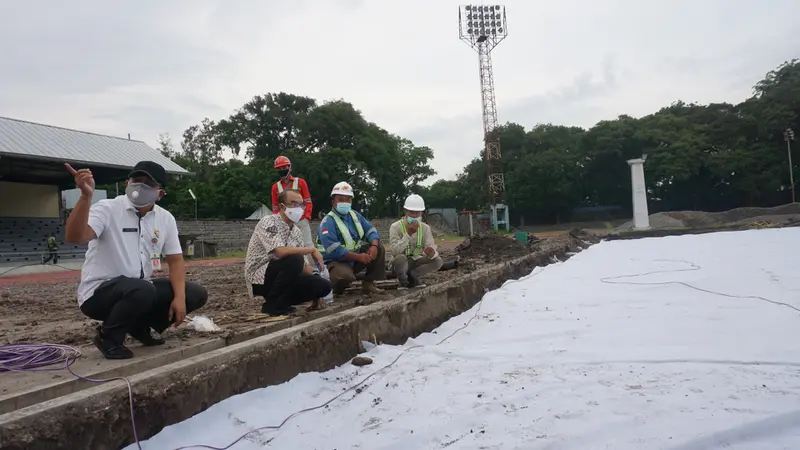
(285, 284)
(53, 255)
(135, 305)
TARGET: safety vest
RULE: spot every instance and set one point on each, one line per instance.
(349, 243)
(295, 184)
(418, 249)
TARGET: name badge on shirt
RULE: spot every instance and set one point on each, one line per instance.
(155, 256)
(155, 260)
(130, 230)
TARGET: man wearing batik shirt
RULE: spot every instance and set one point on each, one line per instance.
(275, 266)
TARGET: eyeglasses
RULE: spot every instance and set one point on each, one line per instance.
(295, 205)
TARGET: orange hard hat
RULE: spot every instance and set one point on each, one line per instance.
(281, 161)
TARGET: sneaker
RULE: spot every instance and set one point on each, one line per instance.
(415, 283)
(368, 287)
(145, 338)
(109, 348)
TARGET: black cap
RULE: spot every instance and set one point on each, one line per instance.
(152, 170)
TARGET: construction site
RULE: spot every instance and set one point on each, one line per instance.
(565, 335)
(196, 369)
(248, 351)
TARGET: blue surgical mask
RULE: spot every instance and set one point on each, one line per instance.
(343, 208)
(412, 219)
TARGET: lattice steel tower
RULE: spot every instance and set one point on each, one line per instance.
(483, 27)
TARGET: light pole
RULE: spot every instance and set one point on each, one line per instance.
(788, 136)
(195, 203)
(483, 27)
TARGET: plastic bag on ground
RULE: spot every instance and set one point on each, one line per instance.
(203, 323)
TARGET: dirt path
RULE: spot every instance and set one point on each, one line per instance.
(41, 308)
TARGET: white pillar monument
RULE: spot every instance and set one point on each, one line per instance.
(641, 218)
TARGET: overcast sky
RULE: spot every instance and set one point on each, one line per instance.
(151, 67)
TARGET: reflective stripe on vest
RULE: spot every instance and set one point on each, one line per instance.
(295, 184)
(344, 232)
(418, 249)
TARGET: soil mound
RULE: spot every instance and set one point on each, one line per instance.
(438, 225)
(492, 246)
(701, 219)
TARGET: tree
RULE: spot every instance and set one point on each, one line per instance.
(703, 157)
(327, 143)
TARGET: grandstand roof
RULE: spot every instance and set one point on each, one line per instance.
(23, 139)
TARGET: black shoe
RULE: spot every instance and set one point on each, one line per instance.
(110, 349)
(412, 282)
(272, 310)
(146, 338)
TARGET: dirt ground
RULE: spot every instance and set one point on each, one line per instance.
(779, 215)
(42, 308)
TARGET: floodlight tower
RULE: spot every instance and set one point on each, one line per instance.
(483, 27)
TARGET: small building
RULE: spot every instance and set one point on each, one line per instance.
(33, 176)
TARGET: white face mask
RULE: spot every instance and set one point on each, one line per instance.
(294, 214)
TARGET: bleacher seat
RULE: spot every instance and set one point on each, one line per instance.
(24, 240)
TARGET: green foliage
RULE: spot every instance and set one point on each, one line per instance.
(702, 157)
(708, 157)
(327, 143)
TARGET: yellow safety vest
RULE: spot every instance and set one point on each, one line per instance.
(349, 243)
(295, 185)
(418, 249)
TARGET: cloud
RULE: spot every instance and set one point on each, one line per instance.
(151, 67)
(462, 135)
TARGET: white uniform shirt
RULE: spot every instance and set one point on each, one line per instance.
(125, 245)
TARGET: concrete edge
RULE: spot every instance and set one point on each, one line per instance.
(99, 417)
(42, 393)
(31, 396)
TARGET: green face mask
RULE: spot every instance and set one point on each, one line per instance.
(412, 219)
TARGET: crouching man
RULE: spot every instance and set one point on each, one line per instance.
(127, 236)
(412, 244)
(275, 266)
(350, 244)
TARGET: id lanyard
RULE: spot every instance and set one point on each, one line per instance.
(155, 235)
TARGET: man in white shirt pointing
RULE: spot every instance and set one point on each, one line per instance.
(127, 236)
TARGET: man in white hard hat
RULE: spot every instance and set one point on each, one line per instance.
(413, 248)
(350, 244)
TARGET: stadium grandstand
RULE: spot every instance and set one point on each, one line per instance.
(32, 178)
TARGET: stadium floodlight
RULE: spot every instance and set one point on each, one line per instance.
(483, 27)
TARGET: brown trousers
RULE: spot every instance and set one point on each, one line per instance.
(343, 273)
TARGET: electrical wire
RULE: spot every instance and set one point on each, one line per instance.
(42, 358)
(693, 266)
(608, 280)
(360, 383)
